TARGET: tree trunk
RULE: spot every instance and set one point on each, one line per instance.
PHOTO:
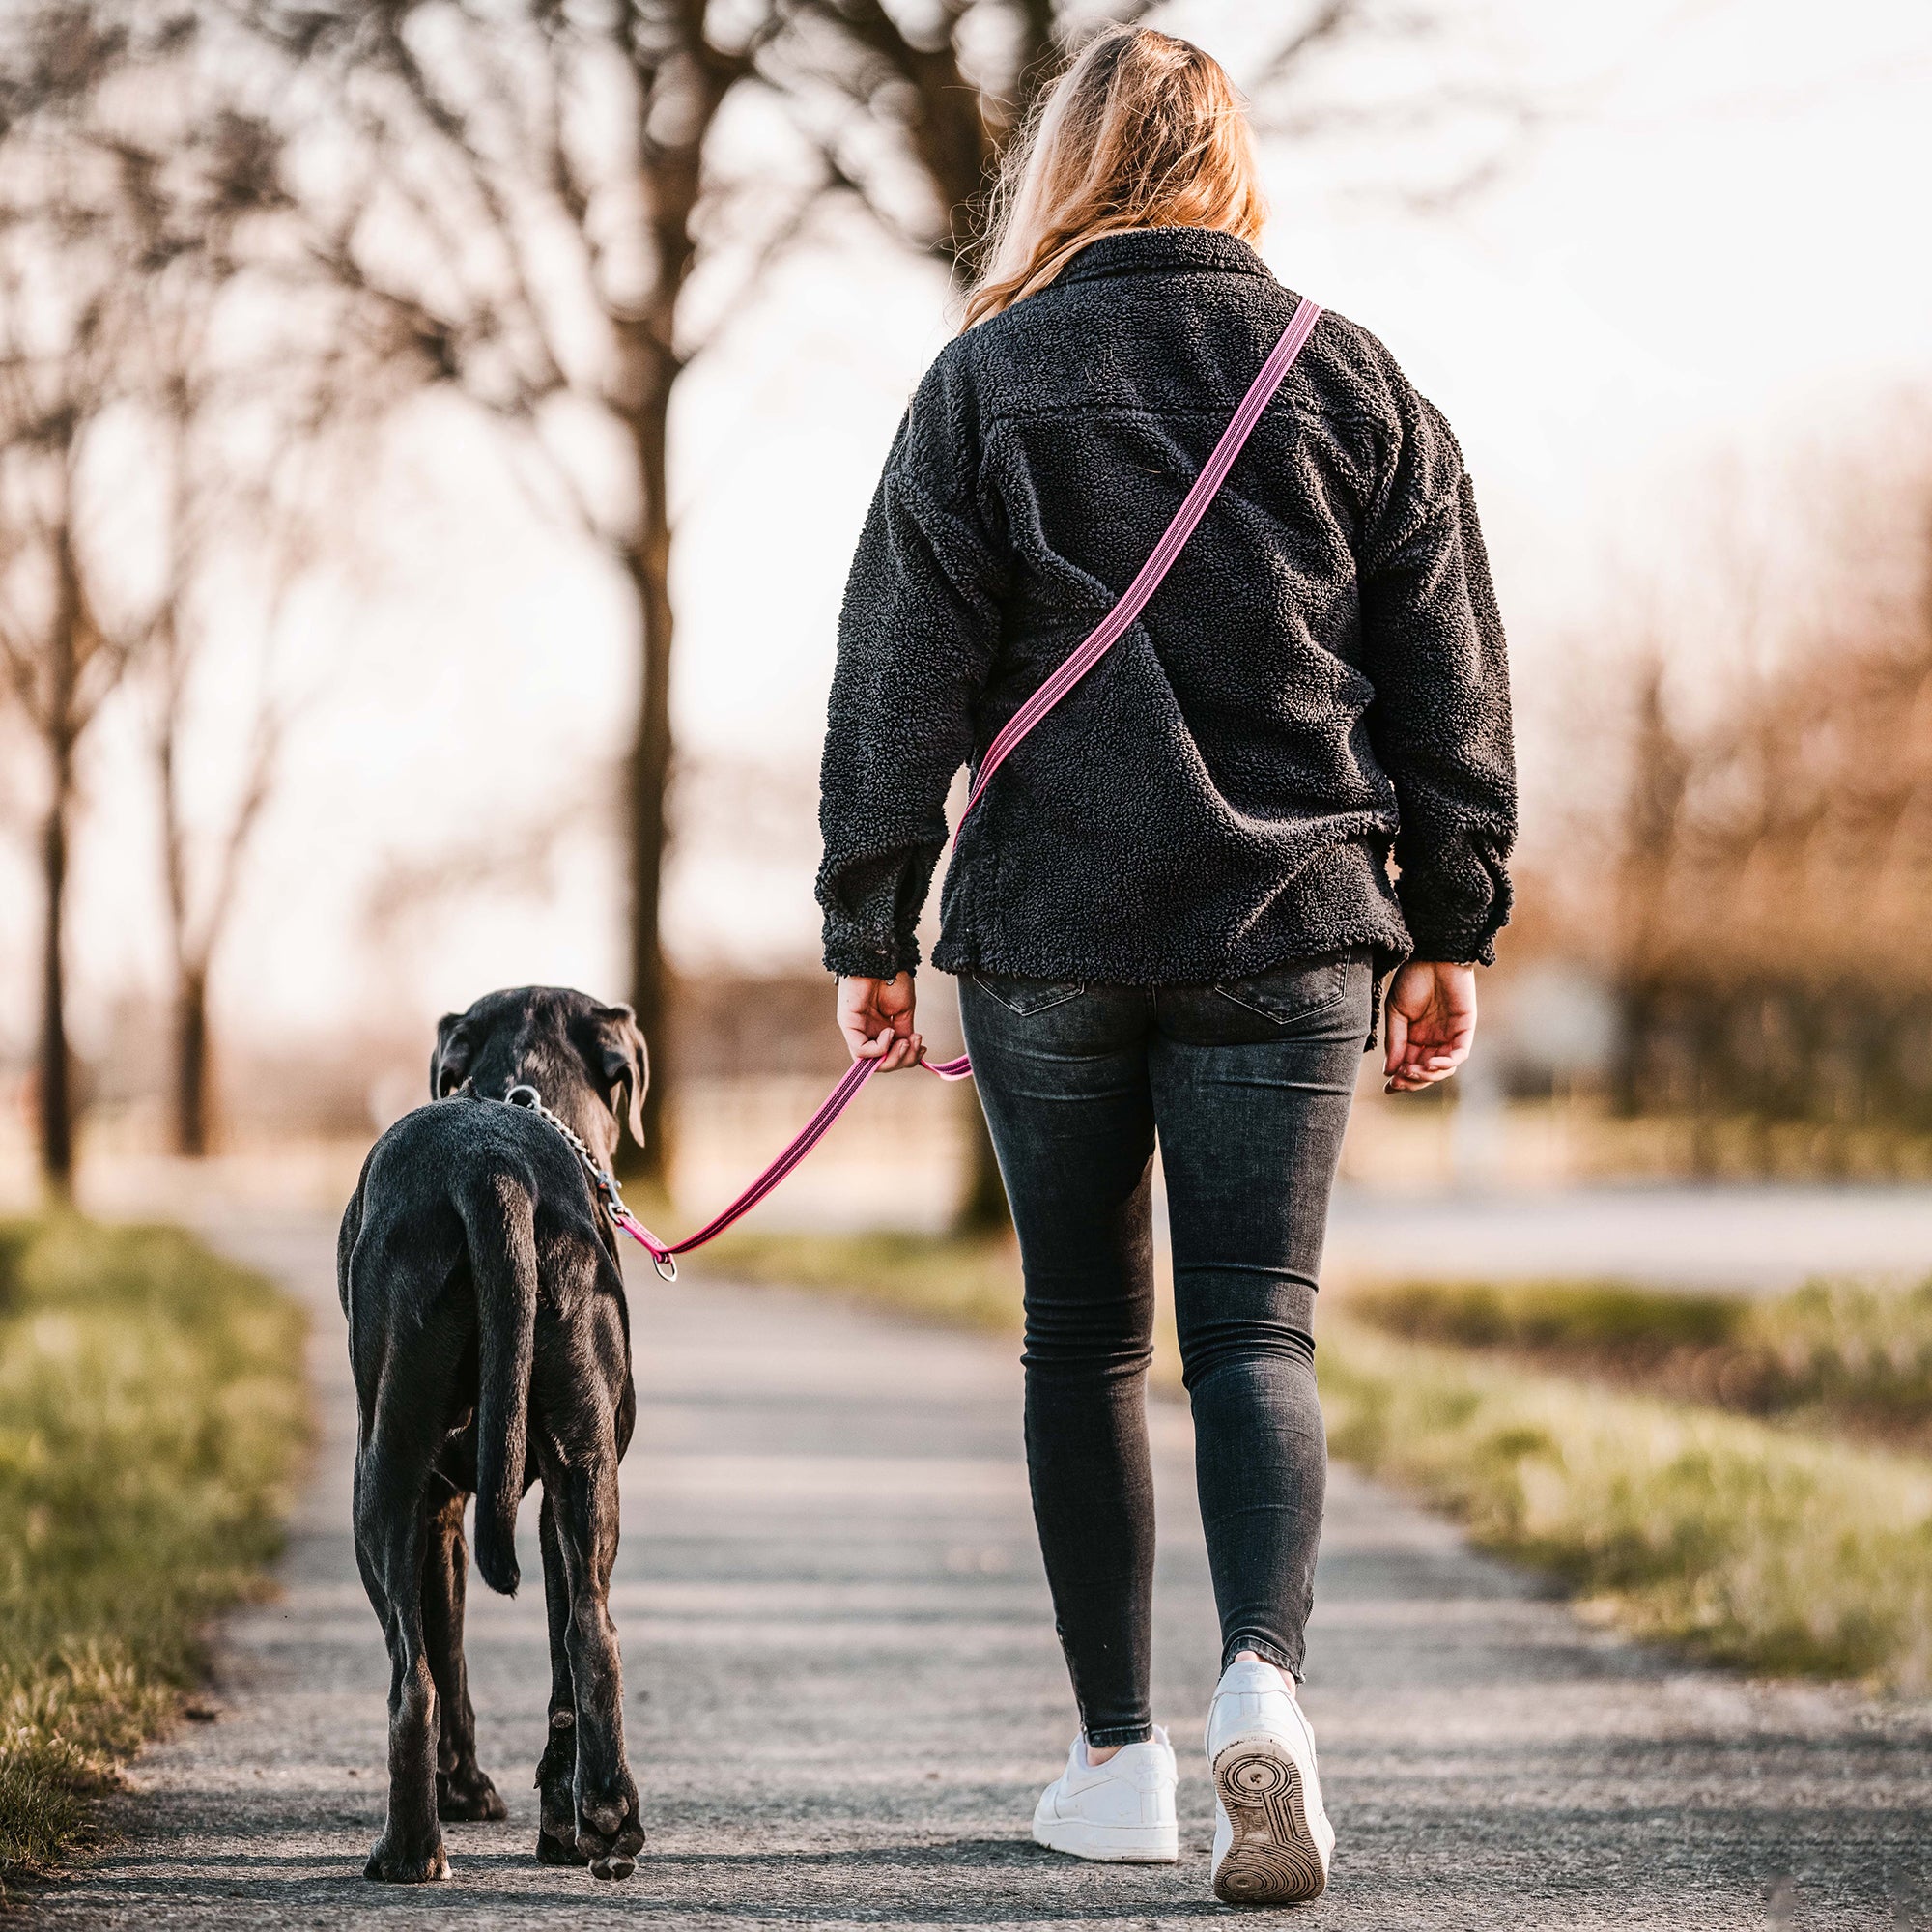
(655, 369)
(648, 782)
(651, 364)
(191, 1095)
(55, 1067)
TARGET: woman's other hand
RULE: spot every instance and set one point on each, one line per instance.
(876, 1017)
(1431, 1023)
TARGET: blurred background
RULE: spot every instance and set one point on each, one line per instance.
(432, 434)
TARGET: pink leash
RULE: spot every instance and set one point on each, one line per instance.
(1104, 637)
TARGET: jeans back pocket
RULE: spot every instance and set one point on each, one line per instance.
(1027, 997)
(1296, 990)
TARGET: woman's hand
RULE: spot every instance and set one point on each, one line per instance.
(876, 1017)
(1431, 1023)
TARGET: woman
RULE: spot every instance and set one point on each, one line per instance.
(1171, 910)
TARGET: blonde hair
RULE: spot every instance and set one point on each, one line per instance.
(1144, 130)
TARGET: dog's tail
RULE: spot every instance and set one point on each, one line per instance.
(503, 1264)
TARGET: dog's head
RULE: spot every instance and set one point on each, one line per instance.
(589, 1061)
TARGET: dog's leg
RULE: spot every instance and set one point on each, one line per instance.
(462, 1791)
(391, 1524)
(556, 1834)
(608, 1831)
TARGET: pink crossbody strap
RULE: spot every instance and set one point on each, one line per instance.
(1113, 626)
(1193, 508)
(1101, 640)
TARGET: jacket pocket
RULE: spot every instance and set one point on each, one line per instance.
(1295, 991)
(1027, 997)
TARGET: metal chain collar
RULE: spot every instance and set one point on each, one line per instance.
(603, 1183)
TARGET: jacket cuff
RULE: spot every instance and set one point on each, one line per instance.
(862, 959)
(1452, 941)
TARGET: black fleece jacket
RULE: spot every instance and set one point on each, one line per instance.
(1319, 685)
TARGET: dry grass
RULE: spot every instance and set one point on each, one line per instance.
(1833, 1355)
(152, 1409)
(1753, 1545)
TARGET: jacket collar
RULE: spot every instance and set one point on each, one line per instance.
(1153, 250)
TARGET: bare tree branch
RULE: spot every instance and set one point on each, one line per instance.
(1327, 23)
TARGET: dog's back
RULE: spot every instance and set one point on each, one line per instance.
(466, 1214)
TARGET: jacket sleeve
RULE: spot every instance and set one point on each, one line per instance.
(1432, 647)
(916, 635)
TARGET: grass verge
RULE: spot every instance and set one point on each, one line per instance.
(1756, 1545)
(152, 1409)
(1833, 1355)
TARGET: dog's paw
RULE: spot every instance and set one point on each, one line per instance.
(467, 1797)
(556, 1826)
(399, 1864)
(609, 1835)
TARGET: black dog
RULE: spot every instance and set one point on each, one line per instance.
(492, 1345)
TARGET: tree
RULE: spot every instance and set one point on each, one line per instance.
(1769, 908)
(201, 865)
(65, 251)
(60, 666)
(132, 180)
(524, 192)
(241, 451)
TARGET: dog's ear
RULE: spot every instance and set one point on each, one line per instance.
(623, 1066)
(450, 1063)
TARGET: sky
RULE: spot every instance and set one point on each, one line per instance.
(1704, 258)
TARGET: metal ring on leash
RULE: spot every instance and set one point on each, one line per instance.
(626, 1223)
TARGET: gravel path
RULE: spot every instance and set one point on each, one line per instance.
(844, 1694)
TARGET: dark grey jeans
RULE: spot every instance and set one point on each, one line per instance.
(1248, 1085)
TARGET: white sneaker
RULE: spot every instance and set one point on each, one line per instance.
(1273, 1839)
(1121, 1812)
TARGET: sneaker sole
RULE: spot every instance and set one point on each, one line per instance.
(1110, 1844)
(1273, 1858)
